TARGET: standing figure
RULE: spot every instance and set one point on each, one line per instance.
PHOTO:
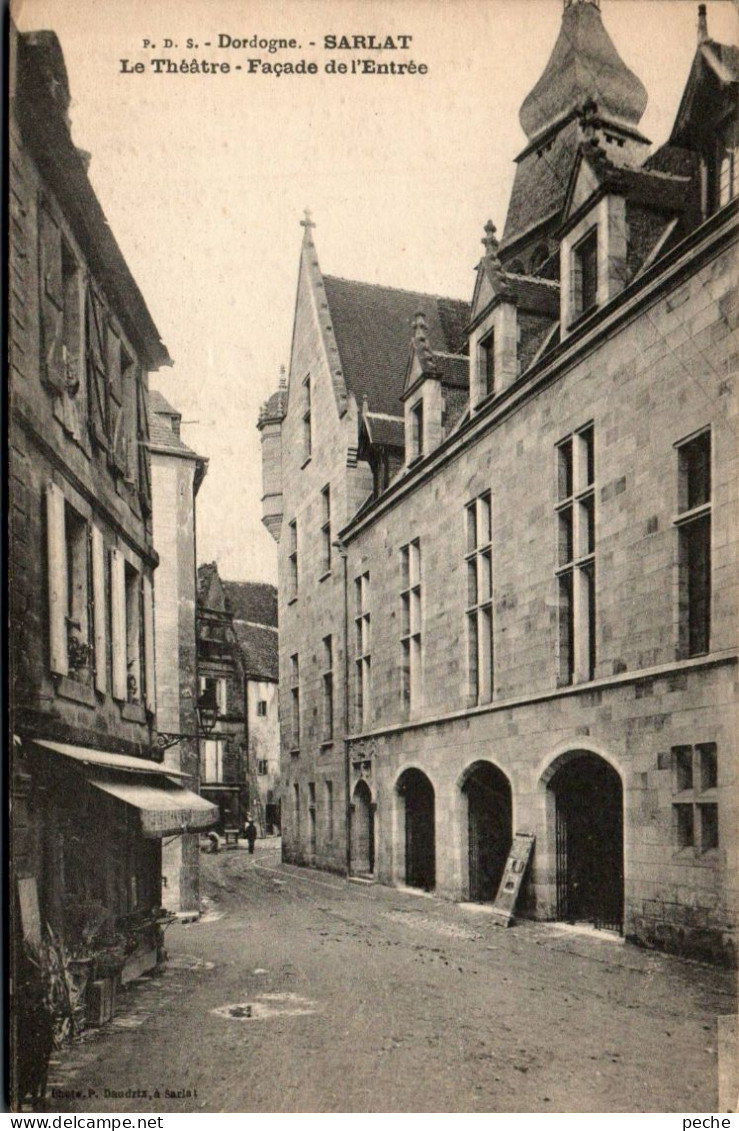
(250, 832)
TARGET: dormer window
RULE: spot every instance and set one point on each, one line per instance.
(417, 430)
(726, 173)
(486, 365)
(585, 274)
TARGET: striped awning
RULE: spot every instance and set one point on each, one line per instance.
(164, 809)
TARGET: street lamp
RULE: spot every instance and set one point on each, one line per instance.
(206, 710)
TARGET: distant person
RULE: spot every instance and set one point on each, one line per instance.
(250, 832)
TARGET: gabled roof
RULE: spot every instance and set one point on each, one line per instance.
(372, 326)
(259, 647)
(593, 171)
(210, 588)
(715, 68)
(253, 601)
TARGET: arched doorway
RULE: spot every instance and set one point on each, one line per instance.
(417, 793)
(588, 797)
(363, 831)
(488, 793)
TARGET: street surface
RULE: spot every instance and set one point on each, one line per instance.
(300, 992)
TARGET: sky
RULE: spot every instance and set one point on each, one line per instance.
(204, 178)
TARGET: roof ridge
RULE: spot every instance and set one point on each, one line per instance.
(401, 290)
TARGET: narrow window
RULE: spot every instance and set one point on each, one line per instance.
(575, 576)
(411, 655)
(325, 529)
(312, 817)
(292, 561)
(134, 636)
(479, 614)
(72, 322)
(585, 274)
(417, 430)
(296, 811)
(307, 410)
(262, 766)
(694, 545)
(262, 707)
(79, 611)
(295, 700)
(327, 686)
(330, 810)
(362, 654)
(486, 367)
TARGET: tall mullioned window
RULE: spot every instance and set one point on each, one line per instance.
(576, 555)
(411, 643)
(694, 544)
(363, 660)
(479, 559)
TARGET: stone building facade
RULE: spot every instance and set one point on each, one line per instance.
(90, 803)
(507, 530)
(253, 606)
(176, 475)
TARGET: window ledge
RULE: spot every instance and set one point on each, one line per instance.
(67, 688)
(327, 742)
(133, 712)
(295, 753)
(325, 575)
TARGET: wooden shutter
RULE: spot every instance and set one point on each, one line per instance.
(98, 609)
(51, 302)
(118, 623)
(96, 369)
(149, 667)
(57, 566)
(143, 441)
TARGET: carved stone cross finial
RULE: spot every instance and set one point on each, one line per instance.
(307, 222)
(489, 241)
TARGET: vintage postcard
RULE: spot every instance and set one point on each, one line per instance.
(372, 533)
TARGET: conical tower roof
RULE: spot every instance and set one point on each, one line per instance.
(583, 65)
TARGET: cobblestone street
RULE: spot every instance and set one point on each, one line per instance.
(299, 992)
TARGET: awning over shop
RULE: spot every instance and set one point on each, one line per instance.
(102, 758)
(164, 809)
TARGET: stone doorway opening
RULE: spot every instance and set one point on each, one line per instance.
(419, 816)
(588, 798)
(489, 827)
(363, 831)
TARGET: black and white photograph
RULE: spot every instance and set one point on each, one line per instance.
(372, 498)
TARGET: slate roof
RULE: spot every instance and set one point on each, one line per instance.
(254, 601)
(259, 650)
(372, 326)
(540, 185)
(584, 64)
(389, 433)
(534, 295)
(161, 434)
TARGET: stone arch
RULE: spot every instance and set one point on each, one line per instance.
(487, 834)
(585, 833)
(363, 829)
(416, 828)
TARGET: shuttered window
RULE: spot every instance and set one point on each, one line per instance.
(149, 681)
(118, 623)
(57, 576)
(98, 603)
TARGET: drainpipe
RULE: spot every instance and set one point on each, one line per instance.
(342, 552)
